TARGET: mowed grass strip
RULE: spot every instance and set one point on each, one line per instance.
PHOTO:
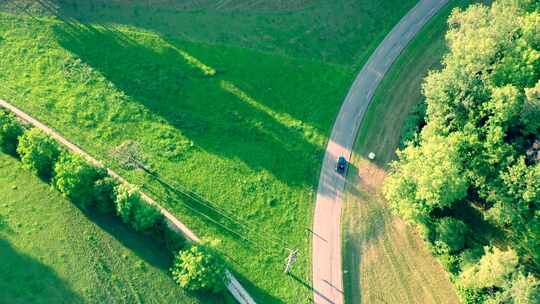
(384, 260)
(52, 252)
(249, 138)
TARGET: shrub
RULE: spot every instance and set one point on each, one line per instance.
(38, 152)
(413, 124)
(525, 289)
(75, 178)
(452, 232)
(471, 296)
(199, 268)
(520, 290)
(492, 271)
(10, 130)
(470, 257)
(145, 216)
(448, 261)
(126, 198)
(104, 194)
(134, 211)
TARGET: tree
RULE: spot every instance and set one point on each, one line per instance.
(104, 193)
(451, 232)
(494, 269)
(531, 111)
(75, 178)
(525, 289)
(139, 214)
(483, 113)
(38, 152)
(126, 198)
(199, 268)
(145, 216)
(10, 130)
(426, 178)
(517, 208)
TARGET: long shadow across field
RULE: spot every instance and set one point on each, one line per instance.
(174, 21)
(26, 280)
(216, 120)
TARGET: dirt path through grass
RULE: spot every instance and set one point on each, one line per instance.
(234, 286)
(326, 263)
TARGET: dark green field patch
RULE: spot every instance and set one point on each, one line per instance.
(52, 252)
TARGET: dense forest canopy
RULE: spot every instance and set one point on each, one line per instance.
(470, 181)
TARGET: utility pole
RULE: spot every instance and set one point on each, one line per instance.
(290, 260)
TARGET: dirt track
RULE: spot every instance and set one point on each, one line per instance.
(234, 286)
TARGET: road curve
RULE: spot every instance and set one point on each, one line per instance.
(326, 260)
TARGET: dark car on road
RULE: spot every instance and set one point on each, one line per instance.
(341, 166)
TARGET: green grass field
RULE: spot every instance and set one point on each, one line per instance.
(250, 139)
(384, 260)
(52, 252)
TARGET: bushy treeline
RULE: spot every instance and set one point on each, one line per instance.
(465, 181)
(195, 268)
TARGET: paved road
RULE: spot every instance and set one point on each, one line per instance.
(327, 274)
(234, 286)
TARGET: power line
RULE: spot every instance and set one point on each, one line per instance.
(199, 199)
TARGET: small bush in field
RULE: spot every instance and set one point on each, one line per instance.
(199, 268)
(104, 194)
(145, 216)
(75, 178)
(126, 198)
(10, 130)
(134, 211)
(38, 152)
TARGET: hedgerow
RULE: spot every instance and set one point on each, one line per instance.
(10, 130)
(198, 269)
(134, 211)
(38, 152)
(104, 194)
(75, 178)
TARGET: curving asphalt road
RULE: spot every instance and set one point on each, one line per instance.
(327, 274)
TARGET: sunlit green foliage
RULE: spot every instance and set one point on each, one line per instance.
(10, 130)
(451, 232)
(493, 270)
(104, 194)
(75, 178)
(429, 177)
(199, 268)
(38, 152)
(483, 113)
(134, 211)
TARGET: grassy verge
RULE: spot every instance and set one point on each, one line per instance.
(385, 262)
(52, 252)
(248, 138)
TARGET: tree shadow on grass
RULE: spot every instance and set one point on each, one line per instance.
(24, 280)
(4, 225)
(150, 246)
(158, 76)
(144, 245)
(259, 295)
